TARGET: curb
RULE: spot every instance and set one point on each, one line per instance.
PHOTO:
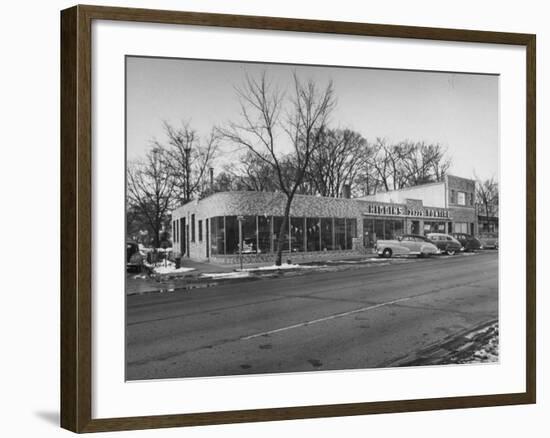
(439, 352)
(195, 285)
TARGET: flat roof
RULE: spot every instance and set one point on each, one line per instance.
(273, 203)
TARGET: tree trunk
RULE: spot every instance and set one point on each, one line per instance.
(282, 229)
(156, 231)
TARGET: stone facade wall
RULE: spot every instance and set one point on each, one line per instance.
(296, 257)
(260, 203)
(257, 204)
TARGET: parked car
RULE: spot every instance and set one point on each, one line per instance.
(445, 243)
(134, 258)
(489, 240)
(407, 244)
(468, 242)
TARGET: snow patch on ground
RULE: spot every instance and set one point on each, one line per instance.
(226, 275)
(486, 346)
(363, 261)
(171, 269)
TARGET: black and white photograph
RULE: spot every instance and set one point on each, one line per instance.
(288, 218)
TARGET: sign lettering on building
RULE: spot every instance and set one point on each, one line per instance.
(397, 210)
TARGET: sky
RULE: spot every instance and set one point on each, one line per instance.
(457, 110)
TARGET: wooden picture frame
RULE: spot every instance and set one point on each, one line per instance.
(76, 217)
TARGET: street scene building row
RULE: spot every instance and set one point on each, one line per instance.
(215, 228)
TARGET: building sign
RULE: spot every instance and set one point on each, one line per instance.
(400, 210)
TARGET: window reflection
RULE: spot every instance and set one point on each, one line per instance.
(297, 234)
(313, 226)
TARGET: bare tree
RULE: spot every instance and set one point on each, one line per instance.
(150, 191)
(422, 163)
(252, 173)
(406, 164)
(335, 162)
(225, 182)
(265, 114)
(379, 164)
(487, 197)
(188, 158)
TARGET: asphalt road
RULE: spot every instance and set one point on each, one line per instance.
(356, 318)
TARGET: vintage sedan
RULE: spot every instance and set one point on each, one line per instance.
(489, 240)
(407, 244)
(468, 242)
(446, 243)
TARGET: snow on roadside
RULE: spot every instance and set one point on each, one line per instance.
(226, 275)
(486, 350)
(171, 269)
(277, 268)
(363, 261)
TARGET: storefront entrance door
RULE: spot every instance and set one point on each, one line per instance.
(415, 227)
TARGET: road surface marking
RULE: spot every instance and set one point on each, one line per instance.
(325, 318)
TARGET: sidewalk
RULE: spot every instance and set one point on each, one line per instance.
(140, 284)
(323, 260)
(205, 267)
(206, 274)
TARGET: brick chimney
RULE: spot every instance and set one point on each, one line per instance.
(346, 191)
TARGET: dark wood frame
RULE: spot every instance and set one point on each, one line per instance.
(76, 177)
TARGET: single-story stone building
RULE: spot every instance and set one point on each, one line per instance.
(228, 225)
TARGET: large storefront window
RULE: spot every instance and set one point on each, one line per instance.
(378, 229)
(259, 234)
(250, 241)
(398, 228)
(231, 235)
(351, 232)
(297, 234)
(277, 221)
(264, 233)
(368, 233)
(393, 229)
(313, 226)
(340, 233)
(217, 235)
(326, 234)
(434, 227)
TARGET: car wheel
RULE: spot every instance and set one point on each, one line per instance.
(450, 251)
(387, 253)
